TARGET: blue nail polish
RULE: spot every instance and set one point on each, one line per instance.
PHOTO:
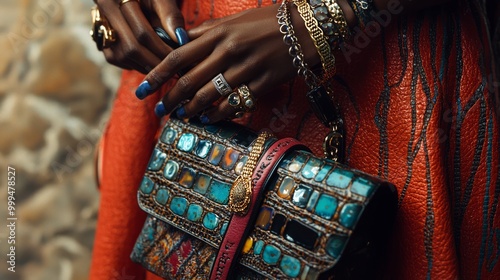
(160, 110)
(181, 35)
(204, 119)
(143, 90)
(181, 112)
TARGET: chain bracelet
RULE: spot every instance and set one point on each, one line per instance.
(295, 49)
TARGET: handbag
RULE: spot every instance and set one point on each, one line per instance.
(224, 202)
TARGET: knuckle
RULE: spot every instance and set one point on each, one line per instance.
(130, 51)
(232, 47)
(184, 84)
(157, 76)
(174, 58)
(221, 30)
(202, 98)
(143, 35)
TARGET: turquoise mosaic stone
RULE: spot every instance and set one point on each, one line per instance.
(216, 154)
(156, 160)
(335, 245)
(301, 196)
(259, 245)
(271, 254)
(311, 168)
(339, 178)
(146, 185)
(168, 136)
(202, 183)
(203, 148)
(326, 206)
(194, 212)
(290, 266)
(297, 163)
(187, 176)
(210, 221)
(230, 158)
(349, 215)
(322, 173)
(312, 201)
(362, 187)
(223, 228)
(171, 168)
(178, 205)
(186, 142)
(219, 192)
(162, 196)
(286, 187)
(212, 128)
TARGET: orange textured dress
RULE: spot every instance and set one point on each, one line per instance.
(419, 108)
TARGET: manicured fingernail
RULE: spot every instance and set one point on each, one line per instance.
(204, 119)
(182, 36)
(160, 110)
(181, 112)
(143, 90)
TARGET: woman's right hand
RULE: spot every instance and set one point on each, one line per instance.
(137, 45)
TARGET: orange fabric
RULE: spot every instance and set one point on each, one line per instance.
(418, 113)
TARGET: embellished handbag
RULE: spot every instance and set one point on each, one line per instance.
(224, 202)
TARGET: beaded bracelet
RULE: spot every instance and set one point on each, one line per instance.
(322, 46)
(331, 20)
(295, 49)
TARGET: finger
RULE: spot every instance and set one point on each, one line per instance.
(111, 58)
(126, 48)
(208, 94)
(196, 86)
(224, 110)
(172, 19)
(175, 61)
(142, 30)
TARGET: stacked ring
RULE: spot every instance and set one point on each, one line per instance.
(221, 85)
(101, 32)
(242, 100)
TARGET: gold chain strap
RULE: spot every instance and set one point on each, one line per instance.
(241, 190)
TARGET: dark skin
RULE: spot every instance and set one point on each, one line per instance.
(247, 48)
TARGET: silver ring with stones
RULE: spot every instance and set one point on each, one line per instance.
(242, 99)
(221, 85)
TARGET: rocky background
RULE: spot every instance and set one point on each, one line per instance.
(55, 95)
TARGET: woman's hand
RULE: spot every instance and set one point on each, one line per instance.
(137, 46)
(247, 48)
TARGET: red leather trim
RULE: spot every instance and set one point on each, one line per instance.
(239, 225)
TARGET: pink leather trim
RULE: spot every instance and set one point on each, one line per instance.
(235, 235)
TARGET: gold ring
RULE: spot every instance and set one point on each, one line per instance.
(242, 100)
(101, 31)
(123, 2)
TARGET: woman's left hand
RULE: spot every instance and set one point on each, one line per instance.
(247, 48)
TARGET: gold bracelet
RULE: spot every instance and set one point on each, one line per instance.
(319, 39)
(241, 191)
(338, 17)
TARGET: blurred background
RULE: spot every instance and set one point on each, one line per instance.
(55, 94)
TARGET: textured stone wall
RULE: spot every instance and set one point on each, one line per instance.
(55, 94)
